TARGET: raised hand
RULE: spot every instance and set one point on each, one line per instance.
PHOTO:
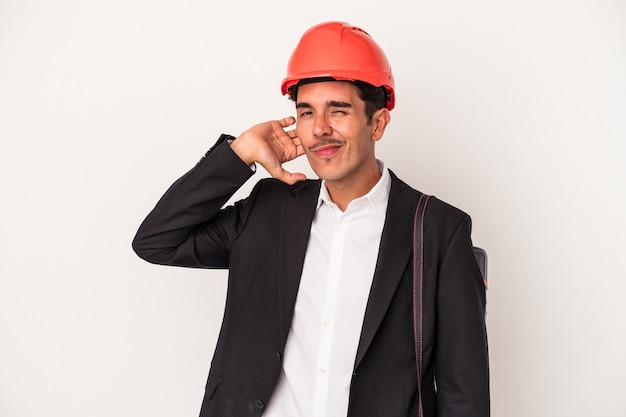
(270, 145)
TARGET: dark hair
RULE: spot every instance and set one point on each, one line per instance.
(375, 98)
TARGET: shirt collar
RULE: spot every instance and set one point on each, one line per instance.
(377, 197)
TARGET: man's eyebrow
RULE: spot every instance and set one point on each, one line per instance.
(339, 104)
(330, 104)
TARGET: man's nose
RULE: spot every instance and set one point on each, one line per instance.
(322, 126)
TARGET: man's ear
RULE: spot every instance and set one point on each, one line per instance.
(380, 120)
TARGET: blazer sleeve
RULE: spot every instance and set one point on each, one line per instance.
(461, 357)
(188, 226)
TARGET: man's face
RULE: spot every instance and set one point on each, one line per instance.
(334, 132)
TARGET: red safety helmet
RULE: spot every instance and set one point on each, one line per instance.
(340, 51)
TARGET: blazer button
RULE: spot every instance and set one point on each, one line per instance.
(278, 356)
(259, 404)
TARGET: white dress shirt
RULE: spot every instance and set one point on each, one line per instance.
(334, 288)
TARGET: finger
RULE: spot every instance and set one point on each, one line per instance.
(299, 147)
(287, 121)
(287, 177)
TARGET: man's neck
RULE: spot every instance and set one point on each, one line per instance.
(343, 192)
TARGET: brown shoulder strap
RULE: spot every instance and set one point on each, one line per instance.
(418, 282)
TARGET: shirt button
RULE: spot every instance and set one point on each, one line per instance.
(259, 404)
(322, 371)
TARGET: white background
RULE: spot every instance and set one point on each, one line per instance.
(514, 111)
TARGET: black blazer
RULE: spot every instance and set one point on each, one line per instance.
(262, 240)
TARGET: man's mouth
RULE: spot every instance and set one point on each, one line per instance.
(327, 148)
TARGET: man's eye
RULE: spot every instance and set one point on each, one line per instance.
(305, 113)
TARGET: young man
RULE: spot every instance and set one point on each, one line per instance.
(320, 316)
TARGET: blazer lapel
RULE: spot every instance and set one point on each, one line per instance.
(394, 254)
(296, 217)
